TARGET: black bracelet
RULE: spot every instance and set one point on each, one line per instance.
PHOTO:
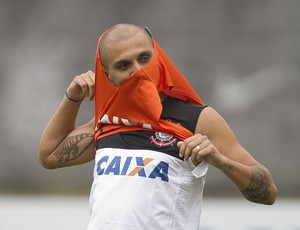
(72, 99)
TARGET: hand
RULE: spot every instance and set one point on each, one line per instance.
(82, 86)
(200, 148)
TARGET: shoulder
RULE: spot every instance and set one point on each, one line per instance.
(209, 115)
(212, 124)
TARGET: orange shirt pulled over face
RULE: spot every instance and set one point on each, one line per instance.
(136, 104)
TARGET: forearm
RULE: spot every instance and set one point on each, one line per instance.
(61, 124)
(255, 182)
(77, 148)
(61, 143)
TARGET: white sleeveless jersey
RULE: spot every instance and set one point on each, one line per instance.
(145, 189)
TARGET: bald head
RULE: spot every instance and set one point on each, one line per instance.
(119, 33)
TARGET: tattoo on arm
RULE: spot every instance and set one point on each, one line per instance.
(69, 149)
(258, 189)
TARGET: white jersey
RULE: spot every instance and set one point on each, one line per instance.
(145, 189)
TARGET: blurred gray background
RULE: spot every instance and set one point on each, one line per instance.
(242, 57)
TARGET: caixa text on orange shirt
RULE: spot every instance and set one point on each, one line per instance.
(106, 119)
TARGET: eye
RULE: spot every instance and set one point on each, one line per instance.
(123, 66)
(145, 58)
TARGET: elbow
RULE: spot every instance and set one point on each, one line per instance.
(273, 195)
(267, 189)
(46, 159)
(45, 163)
(266, 195)
(46, 166)
(268, 198)
(271, 198)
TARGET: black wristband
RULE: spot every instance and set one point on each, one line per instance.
(72, 99)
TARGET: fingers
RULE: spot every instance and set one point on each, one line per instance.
(186, 146)
(82, 86)
(195, 147)
(200, 151)
(89, 80)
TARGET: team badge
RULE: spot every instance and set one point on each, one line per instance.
(163, 139)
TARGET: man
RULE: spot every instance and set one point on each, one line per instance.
(153, 138)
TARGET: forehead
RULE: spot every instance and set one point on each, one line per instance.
(126, 47)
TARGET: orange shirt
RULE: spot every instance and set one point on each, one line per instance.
(135, 104)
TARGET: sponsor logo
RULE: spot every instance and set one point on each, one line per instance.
(133, 166)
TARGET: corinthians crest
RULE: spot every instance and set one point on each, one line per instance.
(163, 139)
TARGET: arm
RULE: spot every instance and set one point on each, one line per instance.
(219, 147)
(62, 144)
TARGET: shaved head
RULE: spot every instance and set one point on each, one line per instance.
(116, 34)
